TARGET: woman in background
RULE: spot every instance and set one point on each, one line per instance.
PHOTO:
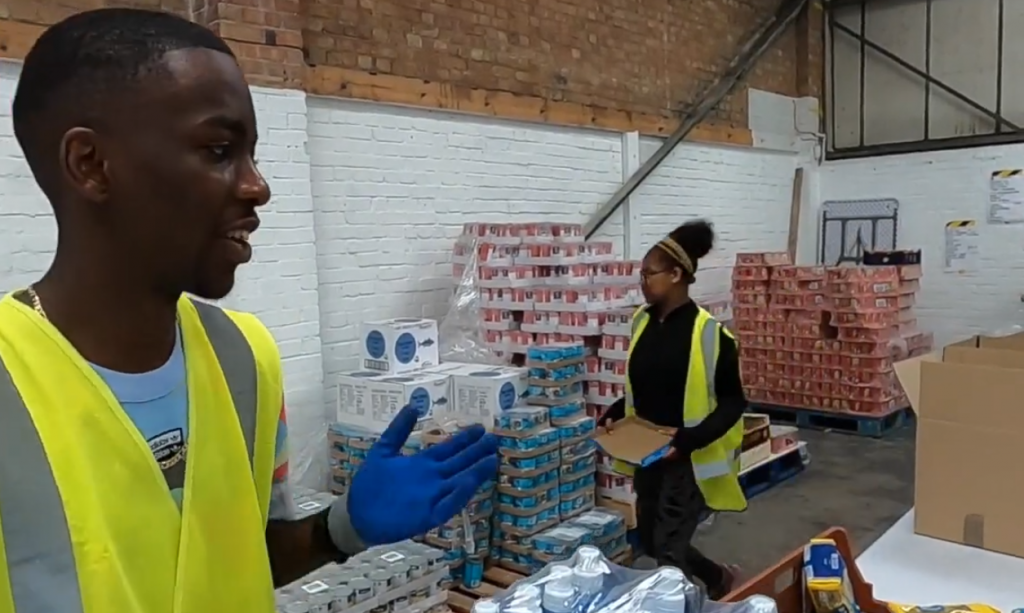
(683, 372)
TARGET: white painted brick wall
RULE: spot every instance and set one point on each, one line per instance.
(745, 193)
(932, 189)
(393, 187)
(368, 200)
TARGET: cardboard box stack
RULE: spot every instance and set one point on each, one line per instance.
(824, 337)
(967, 397)
(396, 358)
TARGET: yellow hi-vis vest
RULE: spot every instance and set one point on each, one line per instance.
(87, 521)
(717, 465)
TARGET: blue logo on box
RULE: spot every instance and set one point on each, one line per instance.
(375, 344)
(405, 348)
(419, 399)
(507, 396)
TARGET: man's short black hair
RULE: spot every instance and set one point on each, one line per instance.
(84, 60)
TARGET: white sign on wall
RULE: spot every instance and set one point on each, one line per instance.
(961, 246)
(1006, 197)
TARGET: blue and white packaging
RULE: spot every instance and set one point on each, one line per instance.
(427, 392)
(399, 346)
(481, 394)
(353, 397)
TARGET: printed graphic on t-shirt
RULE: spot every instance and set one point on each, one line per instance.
(166, 444)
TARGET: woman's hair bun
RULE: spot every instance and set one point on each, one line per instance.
(695, 237)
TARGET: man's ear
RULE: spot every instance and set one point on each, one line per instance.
(83, 164)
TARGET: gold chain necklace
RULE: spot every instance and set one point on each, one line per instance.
(174, 460)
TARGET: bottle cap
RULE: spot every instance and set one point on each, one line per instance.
(527, 593)
(588, 553)
(555, 572)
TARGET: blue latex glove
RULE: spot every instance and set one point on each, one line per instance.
(395, 497)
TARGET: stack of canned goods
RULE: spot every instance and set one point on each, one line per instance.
(348, 446)
(407, 577)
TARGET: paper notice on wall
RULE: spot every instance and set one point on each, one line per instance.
(1006, 197)
(961, 246)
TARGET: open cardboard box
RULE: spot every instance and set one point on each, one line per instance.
(635, 441)
(969, 401)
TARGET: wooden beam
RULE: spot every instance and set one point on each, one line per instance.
(16, 38)
(391, 89)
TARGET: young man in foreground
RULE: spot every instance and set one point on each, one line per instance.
(142, 459)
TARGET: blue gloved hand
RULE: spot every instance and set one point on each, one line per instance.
(395, 497)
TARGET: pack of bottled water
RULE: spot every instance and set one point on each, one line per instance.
(589, 583)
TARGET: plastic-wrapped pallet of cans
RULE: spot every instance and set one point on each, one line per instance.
(465, 538)
(825, 337)
(347, 448)
(556, 375)
(527, 500)
(542, 282)
(601, 528)
(404, 578)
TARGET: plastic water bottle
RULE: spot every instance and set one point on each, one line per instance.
(672, 602)
(668, 592)
(526, 599)
(589, 582)
(559, 595)
(486, 605)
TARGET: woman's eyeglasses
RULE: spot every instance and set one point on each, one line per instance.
(647, 274)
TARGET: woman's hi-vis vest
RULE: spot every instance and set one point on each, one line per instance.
(717, 465)
(87, 521)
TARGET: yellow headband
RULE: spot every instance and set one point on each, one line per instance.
(677, 253)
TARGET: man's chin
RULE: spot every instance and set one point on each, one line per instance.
(214, 289)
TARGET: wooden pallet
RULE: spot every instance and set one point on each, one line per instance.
(777, 469)
(497, 579)
(861, 424)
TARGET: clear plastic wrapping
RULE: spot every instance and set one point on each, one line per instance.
(462, 337)
(589, 583)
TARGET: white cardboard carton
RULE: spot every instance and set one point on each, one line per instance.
(399, 346)
(429, 393)
(354, 399)
(481, 393)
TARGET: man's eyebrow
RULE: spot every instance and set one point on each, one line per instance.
(231, 124)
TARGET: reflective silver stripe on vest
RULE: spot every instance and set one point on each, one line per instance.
(708, 338)
(37, 540)
(238, 364)
(721, 468)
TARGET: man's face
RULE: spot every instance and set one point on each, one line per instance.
(183, 187)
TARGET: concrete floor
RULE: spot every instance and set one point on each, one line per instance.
(859, 483)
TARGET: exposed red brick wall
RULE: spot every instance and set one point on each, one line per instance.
(644, 57)
(649, 56)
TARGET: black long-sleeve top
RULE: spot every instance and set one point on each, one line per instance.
(658, 369)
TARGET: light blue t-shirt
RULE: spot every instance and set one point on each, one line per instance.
(157, 402)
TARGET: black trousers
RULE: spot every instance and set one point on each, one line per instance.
(670, 506)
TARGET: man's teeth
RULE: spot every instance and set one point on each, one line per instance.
(239, 235)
